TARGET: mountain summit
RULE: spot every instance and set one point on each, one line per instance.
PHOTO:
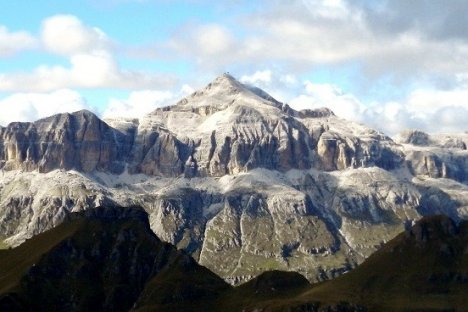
(226, 90)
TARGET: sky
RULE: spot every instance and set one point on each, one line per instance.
(391, 65)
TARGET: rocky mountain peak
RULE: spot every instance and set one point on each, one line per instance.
(226, 83)
(83, 114)
(415, 137)
(228, 80)
(224, 91)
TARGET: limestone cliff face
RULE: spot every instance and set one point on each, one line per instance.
(78, 141)
(436, 156)
(225, 128)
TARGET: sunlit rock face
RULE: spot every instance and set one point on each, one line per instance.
(240, 181)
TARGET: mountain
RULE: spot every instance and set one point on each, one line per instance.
(108, 259)
(103, 259)
(240, 181)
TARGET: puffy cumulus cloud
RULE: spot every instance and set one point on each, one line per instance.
(288, 79)
(441, 110)
(92, 64)
(13, 42)
(89, 70)
(88, 50)
(428, 110)
(67, 35)
(138, 104)
(33, 106)
(301, 34)
(142, 102)
(96, 69)
(318, 95)
(294, 32)
(186, 90)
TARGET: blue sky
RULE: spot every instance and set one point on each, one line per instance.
(389, 64)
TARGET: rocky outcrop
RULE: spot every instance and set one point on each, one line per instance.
(415, 137)
(78, 141)
(437, 155)
(452, 164)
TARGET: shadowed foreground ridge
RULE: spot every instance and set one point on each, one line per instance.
(107, 259)
(98, 260)
(423, 269)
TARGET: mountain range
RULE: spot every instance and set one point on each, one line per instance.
(238, 180)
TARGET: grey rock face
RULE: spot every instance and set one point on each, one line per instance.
(415, 137)
(78, 141)
(239, 180)
(441, 156)
(249, 130)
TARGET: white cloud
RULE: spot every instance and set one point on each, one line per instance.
(97, 69)
(258, 78)
(138, 104)
(427, 110)
(67, 35)
(33, 106)
(13, 42)
(86, 71)
(327, 8)
(213, 39)
(288, 79)
(302, 34)
(209, 45)
(92, 65)
(186, 90)
(343, 104)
